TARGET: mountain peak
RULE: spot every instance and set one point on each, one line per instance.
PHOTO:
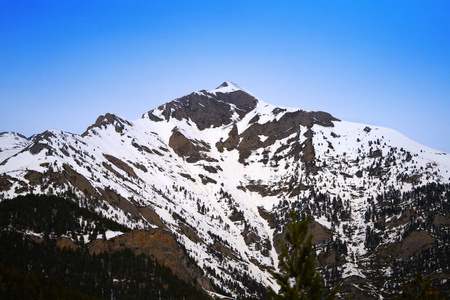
(228, 87)
(208, 108)
(219, 169)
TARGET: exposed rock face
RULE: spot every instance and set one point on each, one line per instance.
(6, 182)
(441, 221)
(38, 147)
(192, 151)
(412, 245)
(160, 245)
(77, 180)
(221, 170)
(121, 165)
(64, 242)
(289, 124)
(321, 235)
(207, 110)
(108, 119)
(231, 142)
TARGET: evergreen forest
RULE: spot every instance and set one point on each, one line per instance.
(36, 268)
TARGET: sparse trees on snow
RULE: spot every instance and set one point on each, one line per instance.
(297, 276)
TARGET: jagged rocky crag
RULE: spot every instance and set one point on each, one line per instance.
(220, 170)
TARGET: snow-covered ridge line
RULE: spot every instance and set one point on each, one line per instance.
(224, 188)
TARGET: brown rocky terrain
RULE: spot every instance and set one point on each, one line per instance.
(217, 172)
(159, 244)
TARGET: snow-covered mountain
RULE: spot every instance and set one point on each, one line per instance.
(221, 170)
(11, 143)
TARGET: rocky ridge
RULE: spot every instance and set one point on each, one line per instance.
(221, 169)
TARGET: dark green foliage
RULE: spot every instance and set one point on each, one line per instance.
(298, 278)
(50, 214)
(427, 202)
(2, 285)
(418, 289)
(428, 261)
(31, 285)
(122, 273)
(372, 238)
(423, 204)
(117, 275)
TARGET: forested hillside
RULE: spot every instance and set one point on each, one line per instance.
(35, 265)
(204, 184)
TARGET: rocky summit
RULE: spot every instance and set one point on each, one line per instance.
(207, 182)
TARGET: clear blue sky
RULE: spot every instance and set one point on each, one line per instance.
(385, 63)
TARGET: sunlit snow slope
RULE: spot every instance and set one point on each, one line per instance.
(221, 169)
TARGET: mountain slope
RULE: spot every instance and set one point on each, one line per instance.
(48, 241)
(220, 169)
(11, 143)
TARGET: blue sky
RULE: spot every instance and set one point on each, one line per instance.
(385, 63)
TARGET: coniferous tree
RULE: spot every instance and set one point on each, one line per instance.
(418, 289)
(297, 276)
(2, 285)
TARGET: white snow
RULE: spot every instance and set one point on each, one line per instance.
(324, 222)
(340, 152)
(11, 143)
(110, 234)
